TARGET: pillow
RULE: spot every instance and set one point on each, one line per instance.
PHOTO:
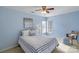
(31, 33)
(25, 33)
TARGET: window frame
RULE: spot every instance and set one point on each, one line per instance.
(48, 27)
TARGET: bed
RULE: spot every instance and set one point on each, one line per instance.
(37, 44)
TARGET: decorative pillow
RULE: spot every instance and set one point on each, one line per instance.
(32, 33)
(25, 33)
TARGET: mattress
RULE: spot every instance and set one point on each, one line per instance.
(37, 44)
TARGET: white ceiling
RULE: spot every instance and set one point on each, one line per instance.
(57, 10)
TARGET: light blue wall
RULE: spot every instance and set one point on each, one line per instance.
(65, 23)
(11, 22)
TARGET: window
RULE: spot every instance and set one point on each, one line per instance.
(49, 26)
(46, 27)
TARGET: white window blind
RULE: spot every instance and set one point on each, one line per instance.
(49, 26)
(44, 27)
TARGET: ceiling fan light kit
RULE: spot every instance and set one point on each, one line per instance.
(43, 12)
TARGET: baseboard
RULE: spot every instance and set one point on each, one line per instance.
(9, 47)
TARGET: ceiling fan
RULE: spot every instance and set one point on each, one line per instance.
(44, 9)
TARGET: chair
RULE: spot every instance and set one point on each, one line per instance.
(66, 41)
(77, 38)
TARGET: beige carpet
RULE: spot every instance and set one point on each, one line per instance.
(68, 48)
(14, 50)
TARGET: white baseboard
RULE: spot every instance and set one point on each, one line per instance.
(8, 48)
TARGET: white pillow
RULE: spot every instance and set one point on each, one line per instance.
(25, 33)
(32, 33)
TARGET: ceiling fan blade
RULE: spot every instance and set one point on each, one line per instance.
(50, 8)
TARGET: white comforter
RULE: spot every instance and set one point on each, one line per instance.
(39, 43)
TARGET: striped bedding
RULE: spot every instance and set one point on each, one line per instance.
(37, 44)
